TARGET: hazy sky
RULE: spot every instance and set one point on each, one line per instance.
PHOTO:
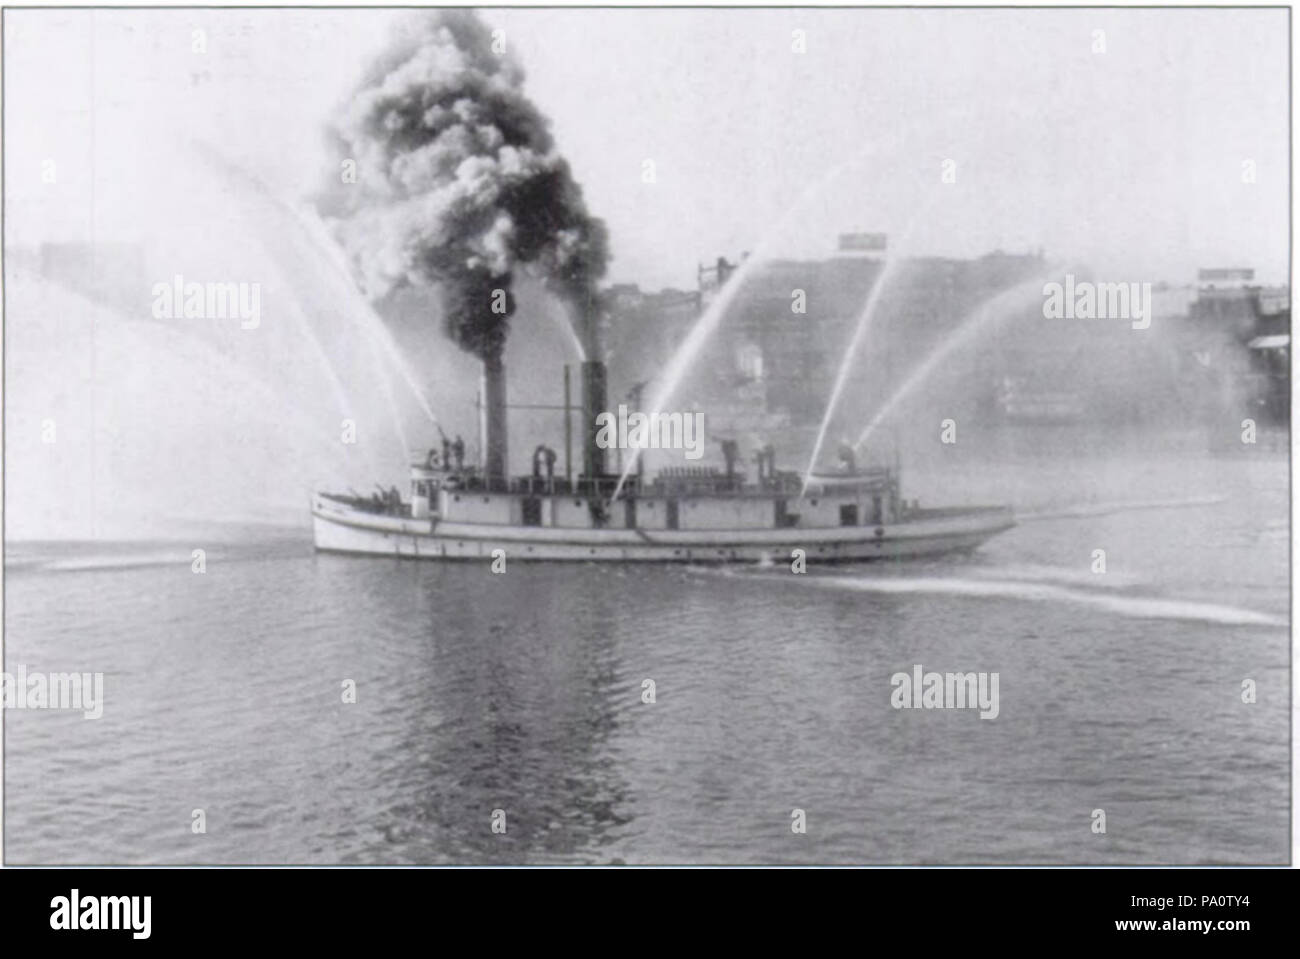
(1130, 160)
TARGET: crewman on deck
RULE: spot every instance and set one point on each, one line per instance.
(848, 457)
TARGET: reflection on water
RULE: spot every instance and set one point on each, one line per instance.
(523, 692)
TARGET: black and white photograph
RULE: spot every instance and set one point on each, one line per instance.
(646, 436)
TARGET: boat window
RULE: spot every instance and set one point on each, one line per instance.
(849, 514)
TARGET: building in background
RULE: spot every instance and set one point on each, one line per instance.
(1242, 330)
(1219, 347)
(767, 369)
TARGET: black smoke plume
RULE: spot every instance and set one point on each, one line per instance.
(458, 183)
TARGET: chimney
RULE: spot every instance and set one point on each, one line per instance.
(593, 404)
(594, 394)
(493, 423)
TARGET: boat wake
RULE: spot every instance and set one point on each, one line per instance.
(1118, 506)
(83, 564)
(1024, 589)
(1068, 576)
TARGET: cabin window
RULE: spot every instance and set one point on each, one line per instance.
(629, 514)
(672, 519)
(849, 514)
(532, 511)
(877, 511)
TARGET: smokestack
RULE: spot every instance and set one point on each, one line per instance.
(594, 394)
(593, 404)
(494, 439)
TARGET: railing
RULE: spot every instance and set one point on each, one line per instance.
(697, 479)
(602, 487)
(674, 481)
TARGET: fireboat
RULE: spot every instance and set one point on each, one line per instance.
(687, 514)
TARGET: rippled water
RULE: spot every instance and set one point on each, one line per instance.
(523, 692)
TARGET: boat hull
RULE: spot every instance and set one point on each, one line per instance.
(340, 529)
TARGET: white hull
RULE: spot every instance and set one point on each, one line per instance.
(341, 529)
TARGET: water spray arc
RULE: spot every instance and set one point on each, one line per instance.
(861, 328)
(990, 312)
(687, 352)
(332, 269)
(866, 317)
